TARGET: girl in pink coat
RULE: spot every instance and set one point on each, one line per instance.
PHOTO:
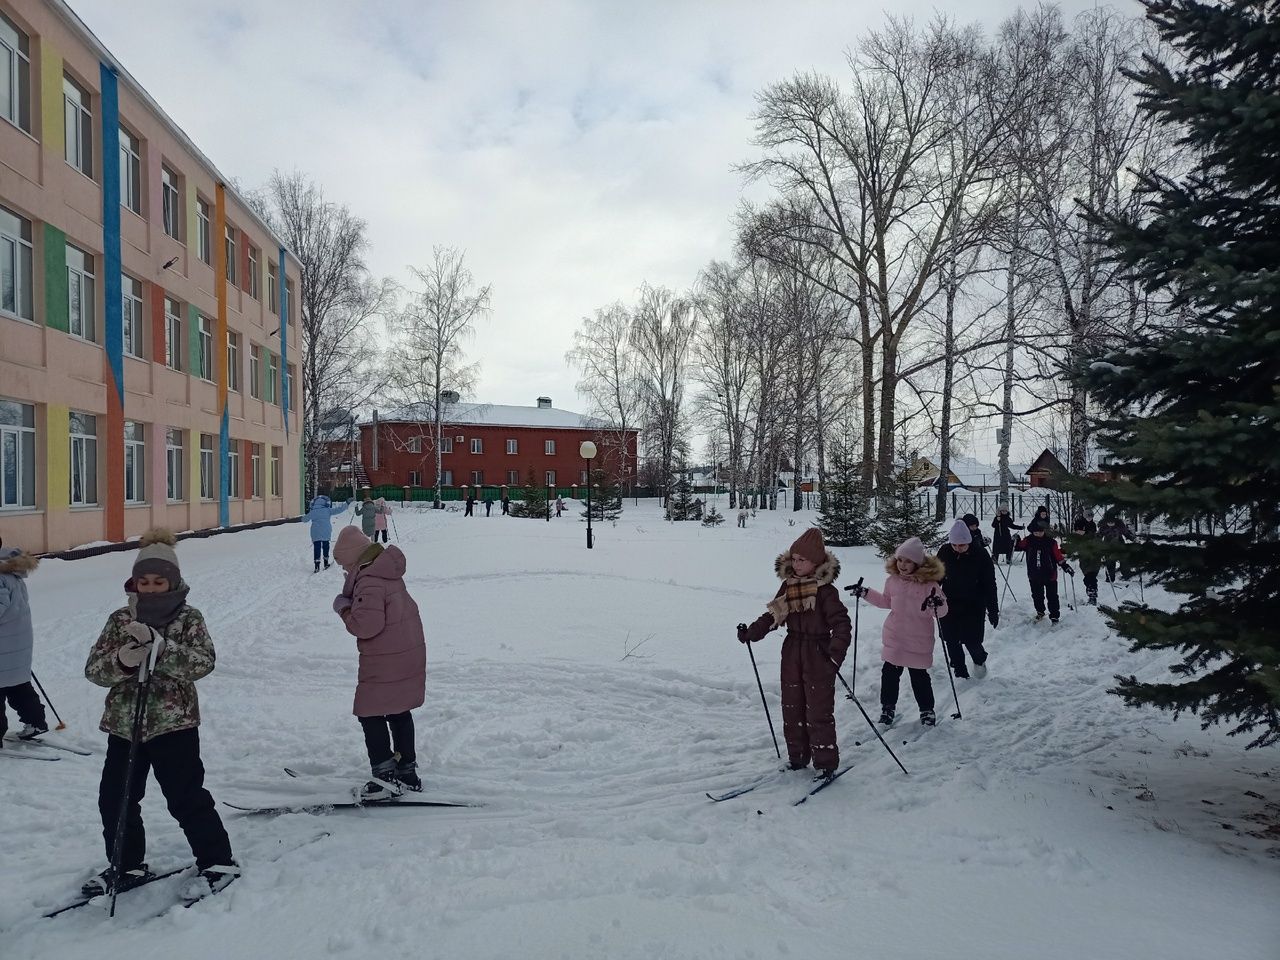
(377, 610)
(380, 520)
(911, 594)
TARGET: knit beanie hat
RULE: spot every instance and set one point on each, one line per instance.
(810, 546)
(350, 544)
(912, 550)
(959, 533)
(157, 556)
(971, 520)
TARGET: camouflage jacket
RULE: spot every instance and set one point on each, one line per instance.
(172, 704)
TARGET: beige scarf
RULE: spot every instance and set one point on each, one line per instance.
(797, 595)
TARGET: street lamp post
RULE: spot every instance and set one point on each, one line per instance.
(588, 452)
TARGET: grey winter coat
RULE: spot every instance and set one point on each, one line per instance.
(16, 638)
(368, 512)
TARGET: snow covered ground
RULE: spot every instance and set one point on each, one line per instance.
(1050, 822)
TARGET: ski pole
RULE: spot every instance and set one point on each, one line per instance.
(856, 590)
(1008, 587)
(866, 717)
(1075, 601)
(61, 723)
(945, 656)
(394, 530)
(145, 673)
(760, 686)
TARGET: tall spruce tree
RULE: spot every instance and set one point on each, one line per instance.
(606, 497)
(901, 513)
(1193, 409)
(845, 519)
(680, 505)
(535, 504)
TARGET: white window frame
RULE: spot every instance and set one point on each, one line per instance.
(130, 172)
(477, 478)
(477, 445)
(208, 467)
(233, 462)
(415, 444)
(415, 478)
(81, 323)
(446, 444)
(131, 315)
(446, 478)
(254, 282)
(84, 463)
(77, 122)
(204, 332)
(172, 334)
(174, 460)
(15, 47)
(551, 479)
(135, 463)
(273, 378)
(549, 448)
(17, 257)
(255, 371)
(512, 447)
(273, 291)
(513, 478)
(17, 443)
(204, 233)
(275, 483)
(289, 380)
(255, 471)
(233, 361)
(229, 239)
(171, 201)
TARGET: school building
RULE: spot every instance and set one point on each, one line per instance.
(146, 374)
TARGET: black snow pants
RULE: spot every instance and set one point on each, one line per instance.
(963, 630)
(386, 736)
(26, 704)
(1041, 591)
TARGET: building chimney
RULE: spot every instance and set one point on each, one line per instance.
(544, 403)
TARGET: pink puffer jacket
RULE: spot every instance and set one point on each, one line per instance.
(908, 630)
(389, 636)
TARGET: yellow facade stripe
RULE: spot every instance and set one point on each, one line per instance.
(52, 133)
(57, 458)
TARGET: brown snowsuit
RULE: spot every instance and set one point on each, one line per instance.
(808, 676)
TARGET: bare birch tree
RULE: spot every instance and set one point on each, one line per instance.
(661, 336)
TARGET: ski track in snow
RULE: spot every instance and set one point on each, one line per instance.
(1049, 822)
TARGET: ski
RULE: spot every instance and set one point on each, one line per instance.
(326, 806)
(23, 753)
(404, 798)
(823, 784)
(83, 901)
(52, 745)
(750, 785)
(187, 904)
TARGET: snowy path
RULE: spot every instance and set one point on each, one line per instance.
(1049, 823)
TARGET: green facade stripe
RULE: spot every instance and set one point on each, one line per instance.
(193, 338)
(56, 313)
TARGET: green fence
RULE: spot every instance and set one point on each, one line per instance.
(455, 494)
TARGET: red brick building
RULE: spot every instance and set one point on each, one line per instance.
(491, 445)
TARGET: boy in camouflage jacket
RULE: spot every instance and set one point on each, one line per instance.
(157, 618)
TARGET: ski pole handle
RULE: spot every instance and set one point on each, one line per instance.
(856, 588)
(928, 601)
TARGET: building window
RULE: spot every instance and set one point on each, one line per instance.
(477, 478)
(551, 479)
(273, 378)
(477, 445)
(81, 294)
(208, 475)
(415, 444)
(172, 334)
(173, 461)
(130, 172)
(15, 265)
(205, 333)
(230, 243)
(512, 446)
(15, 75)
(255, 290)
(446, 444)
(204, 247)
(233, 463)
(135, 463)
(131, 314)
(255, 471)
(84, 460)
(17, 455)
(288, 302)
(255, 371)
(276, 453)
(171, 203)
(550, 448)
(513, 478)
(290, 383)
(273, 291)
(446, 478)
(79, 126)
(415, 478)
(233, 362)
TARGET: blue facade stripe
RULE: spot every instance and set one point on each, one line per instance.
(224, 458)
(114, 318)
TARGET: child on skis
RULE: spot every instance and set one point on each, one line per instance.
(157, 626)
(911, 594)
(970, 588)
(1114, 530)
(321, 517)
(1044, 558)
(1085, 528)
(380, 520)
(377, 610)
(368, 512)
(1003, 540)
(16, 644)
(977, 540)
(818, 633)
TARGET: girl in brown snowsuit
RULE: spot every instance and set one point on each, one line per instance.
(818, 632)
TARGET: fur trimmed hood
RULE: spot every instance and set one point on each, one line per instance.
(826, 572)
(17, 562)
(931, 571)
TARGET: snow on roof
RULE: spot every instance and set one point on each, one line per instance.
(972, 472)
(491, 415)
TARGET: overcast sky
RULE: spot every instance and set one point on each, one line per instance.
(572, 148)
